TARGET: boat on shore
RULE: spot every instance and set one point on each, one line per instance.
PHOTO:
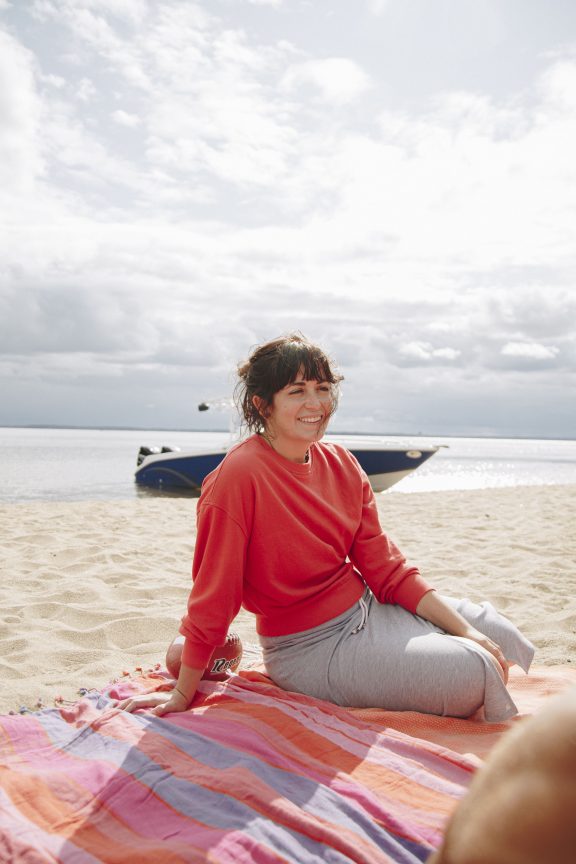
(385, 462)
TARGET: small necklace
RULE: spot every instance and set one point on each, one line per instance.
(268, 440)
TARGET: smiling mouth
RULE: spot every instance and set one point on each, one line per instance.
(311, 420)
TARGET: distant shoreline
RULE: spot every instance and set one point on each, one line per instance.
(334, 432)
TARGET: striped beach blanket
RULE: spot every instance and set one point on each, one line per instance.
(252, 774)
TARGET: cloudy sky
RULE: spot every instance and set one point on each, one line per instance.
(181, 180)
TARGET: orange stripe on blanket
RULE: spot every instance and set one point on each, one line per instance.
(473, 736)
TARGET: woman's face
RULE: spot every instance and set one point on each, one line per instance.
(300, 413)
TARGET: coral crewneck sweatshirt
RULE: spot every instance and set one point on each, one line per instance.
(296, 544)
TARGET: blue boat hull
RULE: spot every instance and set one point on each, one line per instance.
(179, 471)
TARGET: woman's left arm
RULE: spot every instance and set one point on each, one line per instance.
(438, 612)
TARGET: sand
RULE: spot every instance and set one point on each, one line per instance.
(88, 590)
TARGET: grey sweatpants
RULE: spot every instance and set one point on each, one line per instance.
(382, 656)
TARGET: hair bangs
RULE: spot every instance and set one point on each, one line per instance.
(303, 360)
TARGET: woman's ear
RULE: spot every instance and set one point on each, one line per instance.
(260, 405)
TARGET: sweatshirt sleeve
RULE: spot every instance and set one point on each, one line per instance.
(380, 562)
(216, 595)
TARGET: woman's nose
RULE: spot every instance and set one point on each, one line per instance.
(312, 398)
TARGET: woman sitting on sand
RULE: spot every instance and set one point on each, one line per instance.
(288, 528)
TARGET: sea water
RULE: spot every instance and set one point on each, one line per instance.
(99, 464)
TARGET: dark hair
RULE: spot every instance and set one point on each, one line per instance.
(273, 366)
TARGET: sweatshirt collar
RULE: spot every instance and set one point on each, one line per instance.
(298, 468)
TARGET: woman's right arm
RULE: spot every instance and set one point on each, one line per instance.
(216, 596)
(214, 601)
(166, 702)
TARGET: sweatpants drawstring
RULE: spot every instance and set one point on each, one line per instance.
(364, 618)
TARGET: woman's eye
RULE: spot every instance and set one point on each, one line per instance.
(298, 391)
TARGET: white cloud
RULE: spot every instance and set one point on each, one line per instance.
(337, 80)
(446, 353)
(85, 90)
(124, 118)
(131, 11)
(20, 118)
(98, 37)
(420, 350)
(425, 351)
(530, 350)
(56, 81)
(558, 85)
(201, 93)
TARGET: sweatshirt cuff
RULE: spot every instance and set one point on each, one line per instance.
(196, 654)
(409, 595)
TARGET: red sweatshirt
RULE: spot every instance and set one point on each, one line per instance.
(295, 544)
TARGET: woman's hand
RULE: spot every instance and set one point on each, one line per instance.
(490, 646)
(435, 609)
(160, 703)
(167, 701)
